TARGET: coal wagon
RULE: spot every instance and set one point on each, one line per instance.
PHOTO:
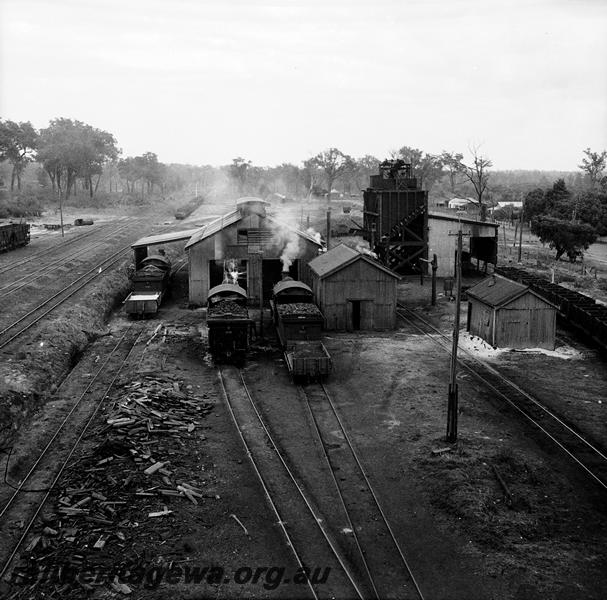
(230, 328)
(13, 235)
(299, 323)
(150, 285)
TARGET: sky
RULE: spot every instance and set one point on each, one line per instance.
(273, 81)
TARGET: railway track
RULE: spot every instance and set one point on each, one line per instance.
(387, 569)
(26, 321)
(14, 264)
(586, 454)
(35, 485)
(302, 524)
(58, 263)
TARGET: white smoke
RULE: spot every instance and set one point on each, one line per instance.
(365, 250)
(291, 251)
(314, 234)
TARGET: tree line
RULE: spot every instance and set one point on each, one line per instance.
(68, 152)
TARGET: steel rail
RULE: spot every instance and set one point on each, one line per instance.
(64, 464)
(14, 264)
(340, 494)
(292, 477)
(23, 481)
(54, 266)
(511, 384)
(279, 518)
(96, 271)
(373, 494)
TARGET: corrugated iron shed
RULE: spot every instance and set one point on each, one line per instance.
(164, 238)
(340, 257)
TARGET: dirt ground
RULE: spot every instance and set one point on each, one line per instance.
(462, 538)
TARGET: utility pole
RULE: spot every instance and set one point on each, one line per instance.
(328, 228)
(61, 211)
(520, 233)
(452, 400)
(434, 264)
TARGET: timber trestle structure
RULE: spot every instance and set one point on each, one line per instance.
(396, 218)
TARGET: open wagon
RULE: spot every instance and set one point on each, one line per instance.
(308, 360)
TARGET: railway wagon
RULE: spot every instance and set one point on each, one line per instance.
(228, 322)
(299, 322)
(150, 284)
(13, 235)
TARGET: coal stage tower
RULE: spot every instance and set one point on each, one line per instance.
(396, 218)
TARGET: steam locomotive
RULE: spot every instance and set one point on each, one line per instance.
(228, 322)
(299, 322)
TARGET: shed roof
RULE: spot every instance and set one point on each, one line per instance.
(498, 291)
(164, 238)
(341, 256)
(233, 217)
(456, 219)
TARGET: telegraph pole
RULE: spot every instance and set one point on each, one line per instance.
(520, 233)
(452, 400)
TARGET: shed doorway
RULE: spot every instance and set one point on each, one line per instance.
(355, 312)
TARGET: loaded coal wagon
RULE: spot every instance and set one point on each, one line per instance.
(228, 322)
(13, 235)
(150, 285)
(299, 322)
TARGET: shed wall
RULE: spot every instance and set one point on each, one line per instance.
(359, 281)
(527, 322)
(224, 244)
(444, 245)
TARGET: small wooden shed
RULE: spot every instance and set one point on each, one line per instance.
(353, 290)
(507, 314)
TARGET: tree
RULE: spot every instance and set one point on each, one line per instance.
(365, 167)
(238, 172)
(592, 209)
(18, 143)
(559, 203)
(452, 163)
(70, 149)
(334, 163)
(593, 165)
(564, 236)
(478, 175)
(534, 204)
(428, 168)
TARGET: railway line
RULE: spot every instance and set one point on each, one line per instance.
(585, 453)
(16, 328)
(37, 480)
(369, 557)
(57, 263)
(301, 522)
(389, 573)
(9, 262)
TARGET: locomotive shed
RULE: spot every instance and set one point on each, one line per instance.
(447, 508)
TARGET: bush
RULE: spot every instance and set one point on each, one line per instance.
(22, 205)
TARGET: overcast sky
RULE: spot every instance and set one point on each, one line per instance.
(204, 81)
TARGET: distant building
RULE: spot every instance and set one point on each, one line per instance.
(479, 241)
(507, 314)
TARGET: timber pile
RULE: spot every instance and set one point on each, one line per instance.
(299, 309)
(124, 490)
(226, 308)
